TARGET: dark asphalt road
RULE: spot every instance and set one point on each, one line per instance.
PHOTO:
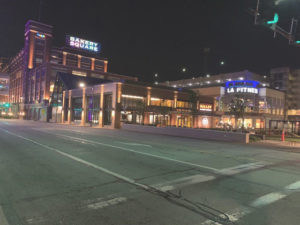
(64, 175)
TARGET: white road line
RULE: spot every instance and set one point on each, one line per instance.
(232, 216)
(242, 168)
(119, 176)
(293, 186)
(182, 182)
(258, 203)
(135, 144)
(268, 199)
(110, 202)
(3, 220)
(141, 153)
(36, 220)
(225, 171)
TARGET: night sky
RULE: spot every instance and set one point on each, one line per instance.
(143, 37)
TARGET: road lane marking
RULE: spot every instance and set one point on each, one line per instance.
(103, 204)
(141, 153)
(135, 144)
(257, 203)
(230, 217)
(3, 220)
(183, 182)
(119, 176)
(226, 171)
(180, 202)
(242, 168)
(268, 199)
(293, 186)
(36, 220)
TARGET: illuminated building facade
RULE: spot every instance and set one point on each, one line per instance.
(106, 103)
(288, 80)
(33, 70)
(4, 86)
(263, 104)
(218, 79)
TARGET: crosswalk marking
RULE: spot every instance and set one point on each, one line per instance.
(257, 203)
(109, 202)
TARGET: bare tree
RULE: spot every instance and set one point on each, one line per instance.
(140, 110)
(237, 108)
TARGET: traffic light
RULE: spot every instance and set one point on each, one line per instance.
(275, 20)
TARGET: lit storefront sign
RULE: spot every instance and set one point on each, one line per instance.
(43, 36)
(205, 107)
(79, 73)
(83, 44)
(5, 105)
(132, 96)
(245, 86)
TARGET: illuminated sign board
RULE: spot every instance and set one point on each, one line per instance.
(205, 107)
(41, 35)
(83, 44)
(5, 105)
(242, 86)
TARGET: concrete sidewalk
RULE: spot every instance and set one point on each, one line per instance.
(285, 144)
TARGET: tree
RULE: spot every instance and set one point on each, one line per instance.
(140, 109)
(163, 110)
(237, 107)
(193, 100)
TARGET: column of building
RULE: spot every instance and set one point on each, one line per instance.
(84, 107)
(70, 111)
(101, 106)
(117, 115)
(63, 107)
(148, 103)
(174, 115)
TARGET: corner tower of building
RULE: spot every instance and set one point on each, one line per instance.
(38, 40)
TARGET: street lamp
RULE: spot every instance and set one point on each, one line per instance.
(81, 84)
(183, 69)
(222, 63)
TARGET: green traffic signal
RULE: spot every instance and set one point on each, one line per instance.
(275, 20)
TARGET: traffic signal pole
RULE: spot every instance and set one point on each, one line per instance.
(272, 24)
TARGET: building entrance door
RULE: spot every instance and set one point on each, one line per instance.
(184, 121)
(107, 109)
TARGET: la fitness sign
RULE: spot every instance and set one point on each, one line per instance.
(244, 86)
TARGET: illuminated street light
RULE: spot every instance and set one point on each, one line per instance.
(183, 69)
(156, 75)
(81, 84)
(222, 63)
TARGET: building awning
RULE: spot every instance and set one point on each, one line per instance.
(71, 81)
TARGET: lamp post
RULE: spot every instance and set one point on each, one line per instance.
(81, 84)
